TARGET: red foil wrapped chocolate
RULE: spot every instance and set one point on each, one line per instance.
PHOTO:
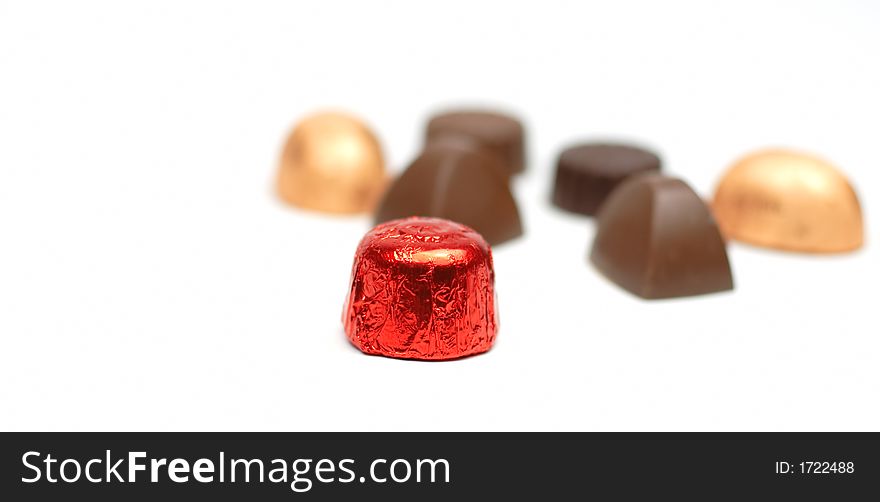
(422, 288)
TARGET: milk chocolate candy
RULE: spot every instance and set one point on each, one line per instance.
(500, 134)
(789, 200)
(332, 163)
(657, 239)
(588, 172)
(458, 181)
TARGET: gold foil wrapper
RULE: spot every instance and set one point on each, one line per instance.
(789, 200)
(332, 163)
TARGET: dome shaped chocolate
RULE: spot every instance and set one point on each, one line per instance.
(332, 163)
(459, 182)
(789, 200)
(657, 239)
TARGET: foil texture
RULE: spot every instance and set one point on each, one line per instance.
(422, 288)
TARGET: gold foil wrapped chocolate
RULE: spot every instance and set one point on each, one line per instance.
(332, 163)
(788, 200)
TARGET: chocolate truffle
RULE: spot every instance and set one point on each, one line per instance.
(332, 163)
(501, 134)
(422, 288)
(657, 239)
(588, 172)
(457, 181)
(789, 200)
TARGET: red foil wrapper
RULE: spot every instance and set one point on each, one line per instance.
(422, 288)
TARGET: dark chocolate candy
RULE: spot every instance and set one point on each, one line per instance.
(587, 173)
(458, 181)
(501, 134)
(658, 239)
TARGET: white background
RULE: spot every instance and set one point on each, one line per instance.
(149, 279)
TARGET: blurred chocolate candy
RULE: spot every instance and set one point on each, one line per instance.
(458, 181)
(588, 172)
(789, 200)
(332, 163)
(501, 134)
(657, 239)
